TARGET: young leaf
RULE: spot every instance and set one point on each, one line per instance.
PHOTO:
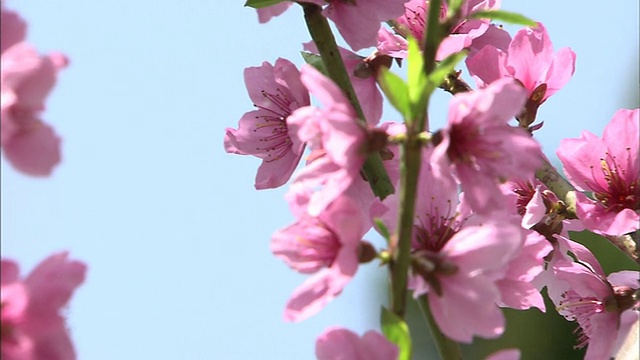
(505, 16)
(397, 331)
(382, 229)
(258, 4)
(445, 67)
(396, 91)
(315, 61)
(417, 80)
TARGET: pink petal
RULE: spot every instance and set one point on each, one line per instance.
(314, 294)
(34, 151)
(487, 65)
(578, 156)
(13, 29)
(621, 138)
(266, 14)
(530, 55)
(560, 71)
(507, 354)
(337, 343)
(9, 272)
(603, 336)
(467, 308)
(53, 281)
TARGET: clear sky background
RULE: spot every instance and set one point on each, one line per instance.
(174, 234)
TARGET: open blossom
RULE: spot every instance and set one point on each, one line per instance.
(27, 77)
(529, 59)
(326, 245)
(482, 148)
(471, 34)
(458, 258)
(276, 91)
(337, 343)
(610, 168)
(32, 325)
(604, 307)
(468, 260)
(336, 138)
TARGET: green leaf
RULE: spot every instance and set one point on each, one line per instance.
(417, 80)
(396, 91)
(315, 61)
(259, 4)
(397, 331)
(382, 229)
(446, 66)
(505, 16)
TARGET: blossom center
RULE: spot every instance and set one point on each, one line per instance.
(577, 308)
(320, 247)
(620, 190)
(469, 145)
(271, 124)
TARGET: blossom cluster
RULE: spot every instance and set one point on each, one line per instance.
(487, 234)
(32, 306)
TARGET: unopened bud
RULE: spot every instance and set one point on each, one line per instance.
(366, 252)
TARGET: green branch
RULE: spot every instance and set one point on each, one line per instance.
(322, 36)
(549, 176)
(409, 170)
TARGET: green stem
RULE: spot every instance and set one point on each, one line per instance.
(559, 186)
(447, 348)
(433, 35)
(322, 36)
(409, 170)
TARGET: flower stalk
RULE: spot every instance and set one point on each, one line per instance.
(409, 170)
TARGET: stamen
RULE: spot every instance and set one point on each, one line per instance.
(274, 117)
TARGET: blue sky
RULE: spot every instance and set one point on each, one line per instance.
(175, 236)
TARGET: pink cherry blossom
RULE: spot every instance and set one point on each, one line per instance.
(482, 148)
(458, 258)
(29, 144)
(337, 343)
(32, 324)
(326, 245)
(604, 307)
(12, 29)
(276, 91)
(462, 289)
(610, 168)
(529, 59)
(336, 138)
